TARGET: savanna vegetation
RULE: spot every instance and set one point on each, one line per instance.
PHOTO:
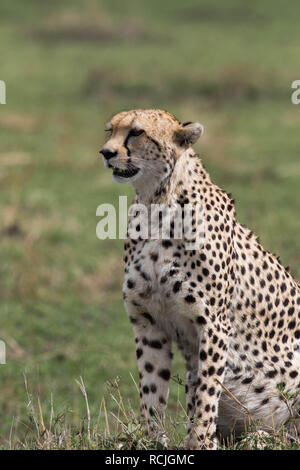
(69, 65)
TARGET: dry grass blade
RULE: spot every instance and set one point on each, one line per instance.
(230, 394)
(106, 418)
(83, 391)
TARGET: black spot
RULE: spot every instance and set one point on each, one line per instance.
(177, 286)
(139, 352)
(149, 367)
(162, 400)
(155, 344)
(166, 243)
(248, 380)
(292, 325)
(164, 374)
(216, 357)
(149, 317)
(190, 299)
(291, 311)
(203, 355)
(271, 374)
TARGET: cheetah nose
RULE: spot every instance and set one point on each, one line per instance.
(107, 154)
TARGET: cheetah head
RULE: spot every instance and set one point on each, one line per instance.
(143, 145)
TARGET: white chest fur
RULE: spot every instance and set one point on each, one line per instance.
(148, 286)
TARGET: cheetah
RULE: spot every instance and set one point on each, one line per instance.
(230, 306)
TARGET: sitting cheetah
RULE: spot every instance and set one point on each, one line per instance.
(230, 306)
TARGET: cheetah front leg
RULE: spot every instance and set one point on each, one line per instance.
(191, 386)
(153, 350)
(213, 341)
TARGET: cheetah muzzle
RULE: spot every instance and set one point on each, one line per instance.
(128, 173)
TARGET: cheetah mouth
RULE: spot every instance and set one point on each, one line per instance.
(128, 173)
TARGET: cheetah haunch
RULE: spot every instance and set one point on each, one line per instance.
(230, 306)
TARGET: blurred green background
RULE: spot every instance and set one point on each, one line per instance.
(69, 65)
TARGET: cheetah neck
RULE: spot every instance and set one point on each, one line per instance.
(188, 171)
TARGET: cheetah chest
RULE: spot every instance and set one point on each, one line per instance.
(150, 278)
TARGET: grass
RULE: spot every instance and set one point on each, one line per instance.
(121, 429)
(68, 66)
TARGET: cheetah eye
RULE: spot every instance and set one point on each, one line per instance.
(135, 132)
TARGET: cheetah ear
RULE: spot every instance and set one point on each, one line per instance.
(188, 133)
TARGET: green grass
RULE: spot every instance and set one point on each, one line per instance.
(68, 66)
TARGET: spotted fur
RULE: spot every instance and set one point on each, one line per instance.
(230, 306)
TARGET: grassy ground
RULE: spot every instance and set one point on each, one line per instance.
(68, 66)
